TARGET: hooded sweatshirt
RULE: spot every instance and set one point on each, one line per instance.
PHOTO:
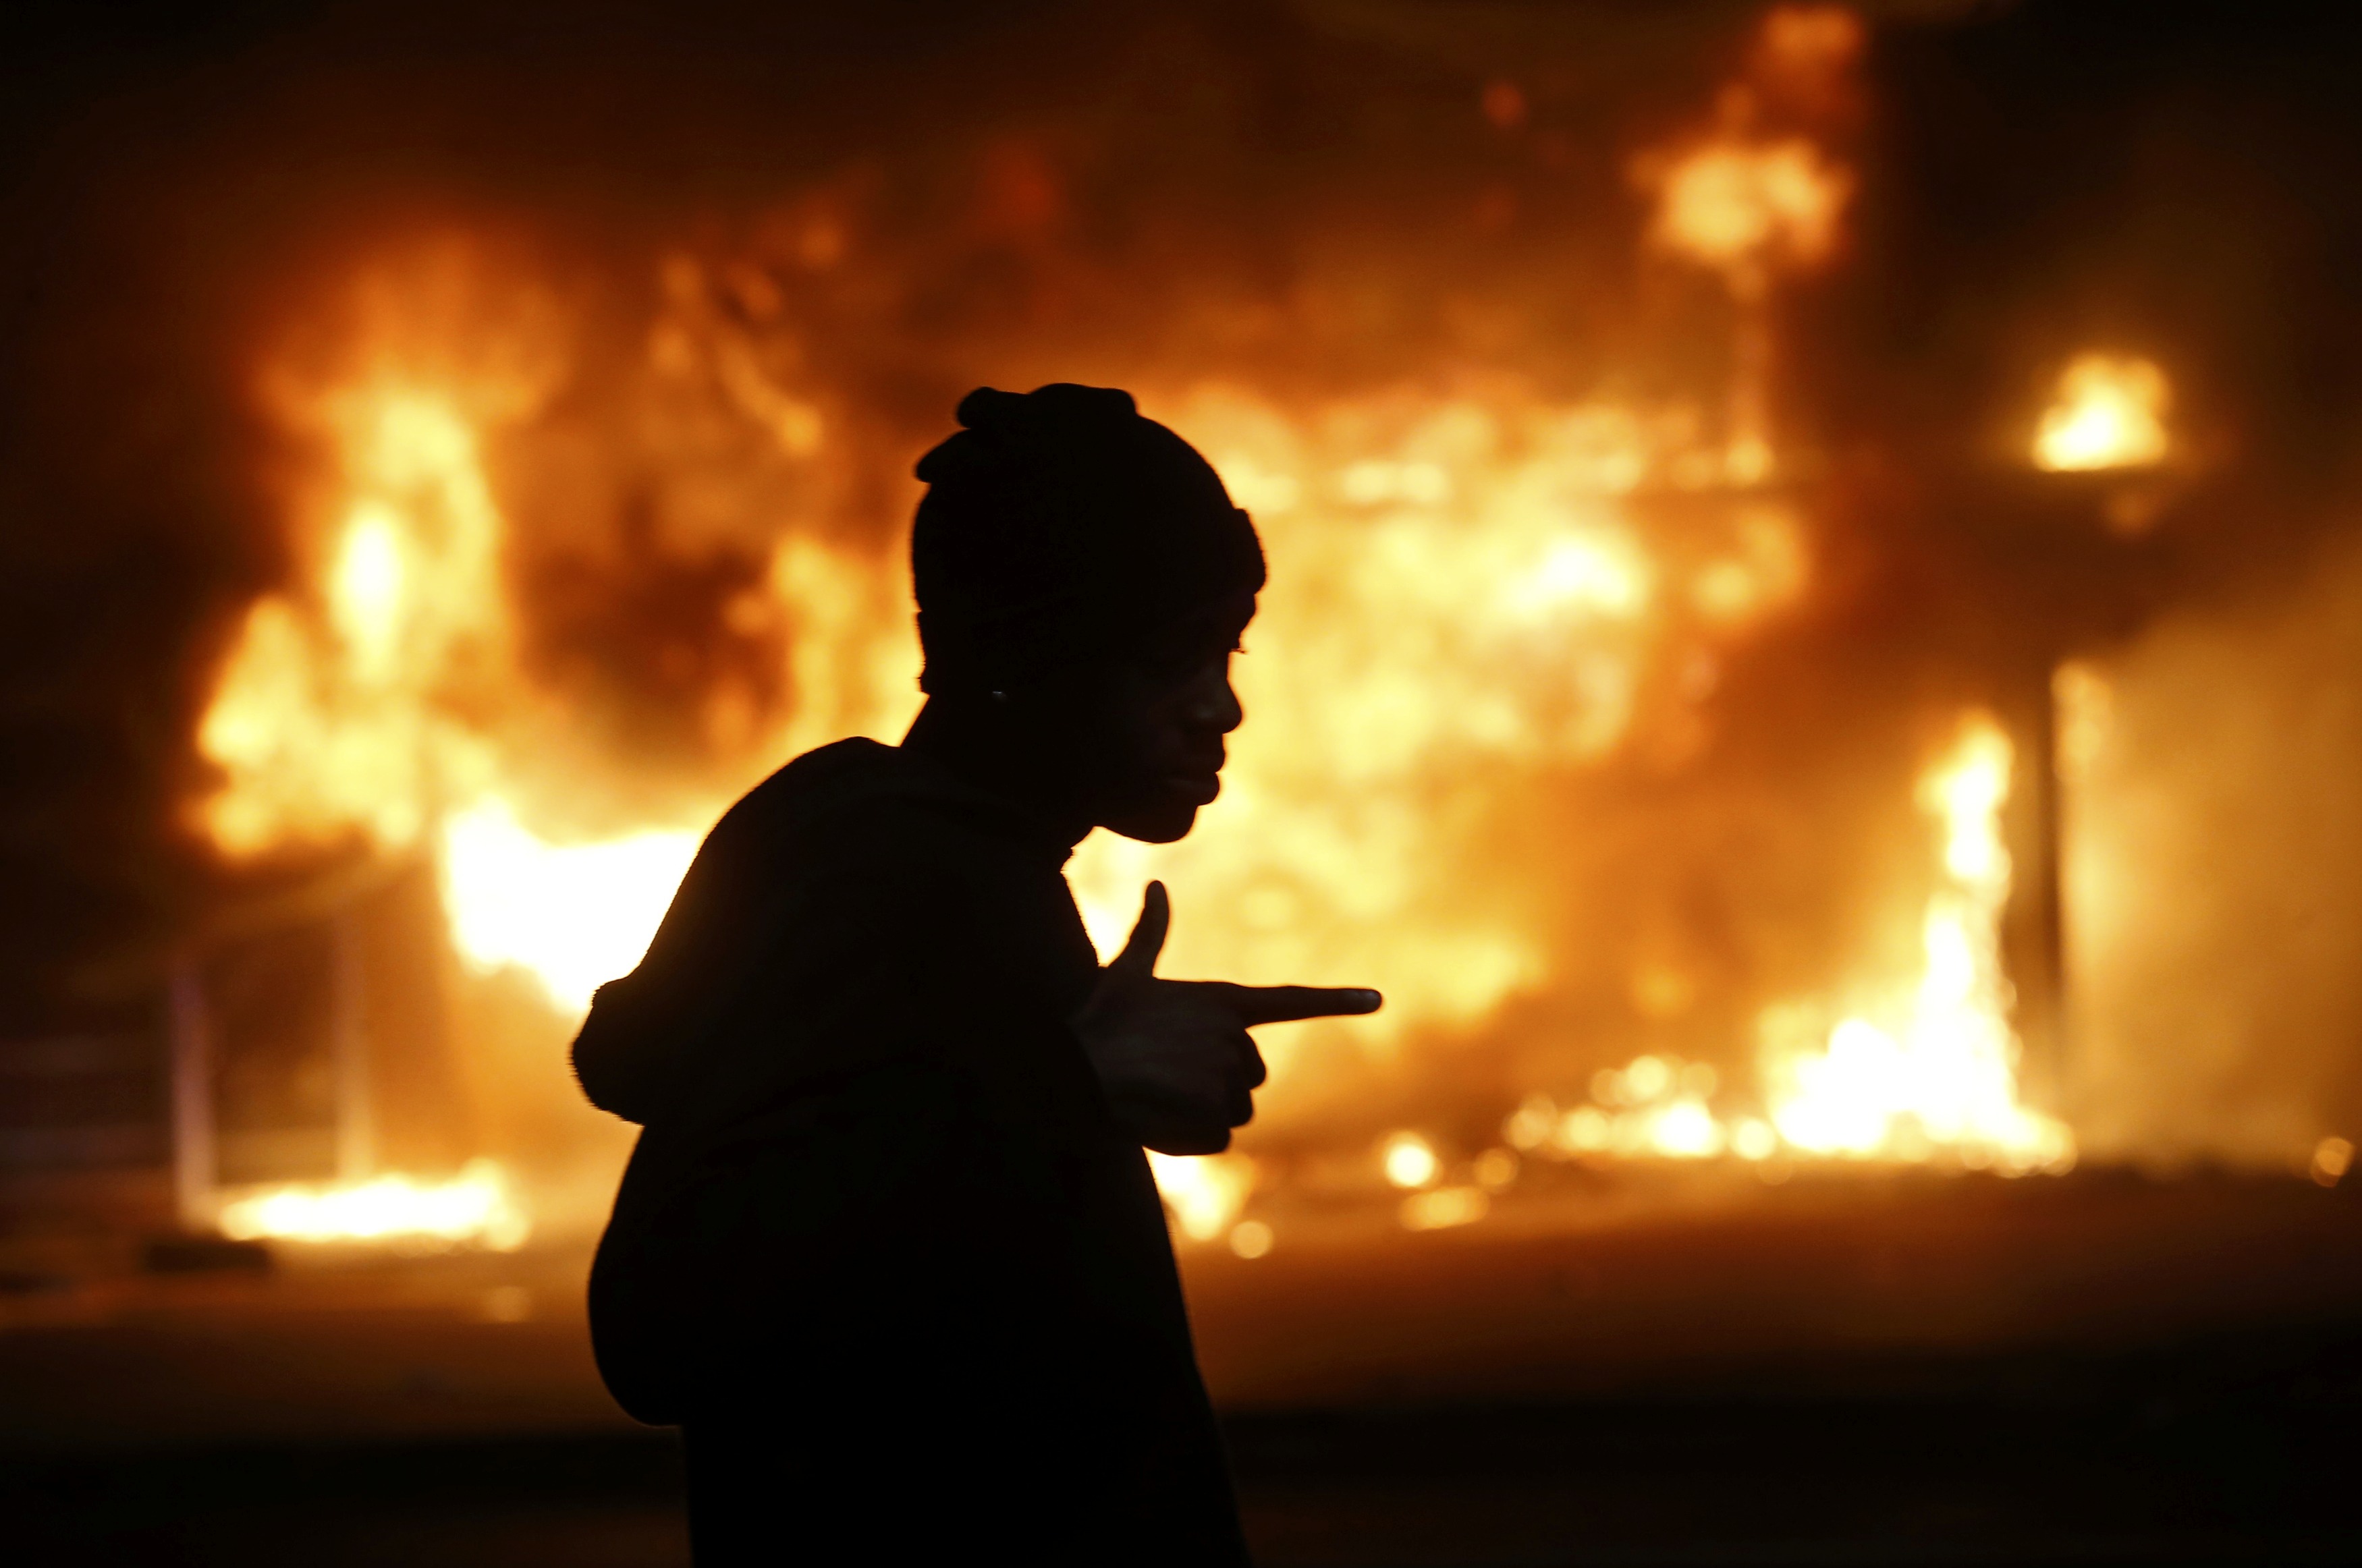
(881, 1248)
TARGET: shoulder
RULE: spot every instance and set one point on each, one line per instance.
(885, 809)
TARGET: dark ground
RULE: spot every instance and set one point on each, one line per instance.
(2094, 1370)
(2238, 1451)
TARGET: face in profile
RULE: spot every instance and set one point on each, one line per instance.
(1158, 743)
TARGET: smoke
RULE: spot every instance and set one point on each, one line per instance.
(2213, 853)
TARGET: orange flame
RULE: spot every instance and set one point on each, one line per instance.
(1944, 1075)
(1939, 1077)
(335, 711)
(475, 1208)
(1480, 593)
(2109, 413)
(1482, 583)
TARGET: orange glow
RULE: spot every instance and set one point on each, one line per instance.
(1940, 1075)
(1748, 204)
(1484, 586)
(1806, 54)
(382, 697)
(1408, 1160)
(1251, 1239)
(1943, 1075)
(1745, 207)
(1444, 1208)
(1205, 1192)
(1482, 594)
(2109, 413)
(576, 915)
(340, 716)
(474, 1209)
(363, 708)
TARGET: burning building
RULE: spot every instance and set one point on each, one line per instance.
(1810, 623)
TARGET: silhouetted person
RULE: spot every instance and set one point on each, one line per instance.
(888, 1250)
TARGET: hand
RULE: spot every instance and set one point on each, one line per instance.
(1174, 1055)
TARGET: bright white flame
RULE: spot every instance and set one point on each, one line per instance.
(2109, 413)
(474, 1209)
(1594, 572)
(1949, 1075)
(577, 915)
(367, 588)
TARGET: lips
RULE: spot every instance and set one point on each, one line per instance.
(1200, 787)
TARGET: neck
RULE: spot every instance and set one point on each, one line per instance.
(979, 742)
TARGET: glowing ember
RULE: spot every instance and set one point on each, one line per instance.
(1407, 1159)
(2109, 413)
(1444, 1208)
(475, 1208)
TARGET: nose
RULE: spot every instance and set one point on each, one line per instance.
(1212, 704)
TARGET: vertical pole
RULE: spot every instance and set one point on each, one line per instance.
(2051, 914)
(348, 1046)
(2033, 940)
(193, 1167)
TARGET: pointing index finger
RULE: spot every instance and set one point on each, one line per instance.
(1287, 1004)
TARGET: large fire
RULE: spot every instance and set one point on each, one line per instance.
(1470, 586)
(1934, 1075)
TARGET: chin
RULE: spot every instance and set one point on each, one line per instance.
(1156, 824)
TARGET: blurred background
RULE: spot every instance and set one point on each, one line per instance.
(1814, 649)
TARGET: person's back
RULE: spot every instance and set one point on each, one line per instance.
(889, 1249)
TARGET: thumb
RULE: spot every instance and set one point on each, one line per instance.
(1138, 959)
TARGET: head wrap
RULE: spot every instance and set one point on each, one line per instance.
(1060, 526)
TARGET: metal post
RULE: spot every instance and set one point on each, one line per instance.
(2032, 933)
(348, 1047)
(194, 1161)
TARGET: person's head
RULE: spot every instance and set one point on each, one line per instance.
(1082, 580)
